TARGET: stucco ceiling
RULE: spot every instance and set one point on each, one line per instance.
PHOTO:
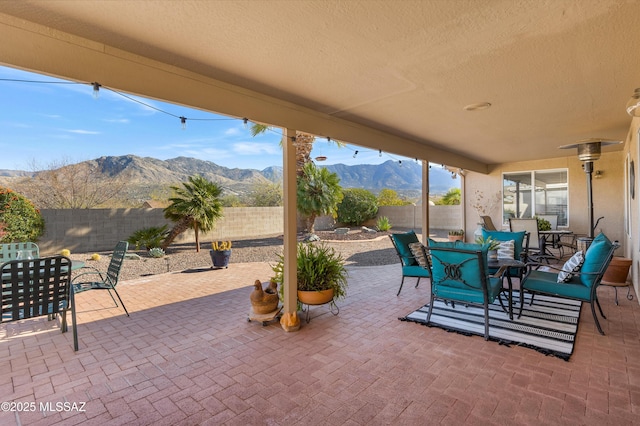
(554, 71)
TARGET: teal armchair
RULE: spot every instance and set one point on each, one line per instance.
(410, 265)
(520, 247)
(460, 274)
(582, 284)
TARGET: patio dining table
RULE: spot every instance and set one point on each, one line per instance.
(553, 236)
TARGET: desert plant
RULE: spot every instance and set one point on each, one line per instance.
(221, 245)
(196, 205)
(319, 267)
(456, 232)
(148, 238)
(493, 243)
(318, 193)
(156, 252)
(383, 224)
(19, 219)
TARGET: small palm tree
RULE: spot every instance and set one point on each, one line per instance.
(196, 205)
(318, 193)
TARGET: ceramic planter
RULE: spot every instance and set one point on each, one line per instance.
(315, 297)
(220, 258)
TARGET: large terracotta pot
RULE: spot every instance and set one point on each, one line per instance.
(617, 271)
(315, 297)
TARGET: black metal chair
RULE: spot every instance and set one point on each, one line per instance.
(36, 288)
(107, 281)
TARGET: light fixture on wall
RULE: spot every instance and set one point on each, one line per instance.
(589, 150)
(633, 106)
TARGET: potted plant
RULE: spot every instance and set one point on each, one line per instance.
(456, 235)
(321, 275)
(493, 245)
(220, 253)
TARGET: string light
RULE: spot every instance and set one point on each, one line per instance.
(400, 163)
(183, 120)
(245, 121)
(355, 153)
(379, 153)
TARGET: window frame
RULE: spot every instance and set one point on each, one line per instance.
(532, 173)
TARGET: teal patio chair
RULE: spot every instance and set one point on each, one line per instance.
(581, 283)
(106, 281)
(459, 274)
(9, 251)
(410, 265)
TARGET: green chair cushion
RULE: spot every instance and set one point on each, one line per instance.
(415, 271)
(547, 282)
(402, 242)
(594, 258)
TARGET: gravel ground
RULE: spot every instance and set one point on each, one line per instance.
(357, 248)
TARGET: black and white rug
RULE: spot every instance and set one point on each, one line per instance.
(549, 325)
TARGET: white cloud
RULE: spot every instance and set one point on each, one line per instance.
(255, 148)
(83, 132)
(117, 120)
(232, 131)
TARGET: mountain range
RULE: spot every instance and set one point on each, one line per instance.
(147, 175)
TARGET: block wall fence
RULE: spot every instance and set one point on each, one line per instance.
(96, 230)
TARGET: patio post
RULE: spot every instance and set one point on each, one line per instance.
(290, 320)
(425, 202)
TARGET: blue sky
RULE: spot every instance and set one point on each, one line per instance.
(49, 123)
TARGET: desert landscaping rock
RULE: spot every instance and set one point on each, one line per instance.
(356, 247)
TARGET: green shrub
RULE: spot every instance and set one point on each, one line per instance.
(383, 224)
(357, 206)
(149, 238)
(19, 218)
(543, 224)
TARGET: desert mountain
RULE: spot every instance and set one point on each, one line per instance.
(150, 177)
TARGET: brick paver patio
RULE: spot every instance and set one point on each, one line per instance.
(188, 356)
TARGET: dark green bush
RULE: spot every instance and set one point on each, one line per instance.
(149, 238)
(19, 219)
(357, 206)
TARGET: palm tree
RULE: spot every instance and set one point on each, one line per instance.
(196, 205)
(304, 145)
(318, 193)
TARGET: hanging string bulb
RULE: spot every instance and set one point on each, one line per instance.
(96, 89)
(400, 163)
(245, 121)
(355, 153)
(183, 120)
(328, 139)
(379, 153)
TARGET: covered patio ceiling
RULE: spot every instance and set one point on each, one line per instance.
(392, 75)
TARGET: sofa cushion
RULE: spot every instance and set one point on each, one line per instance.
(402, 242)
(594, 259)
(571, 267)
(415, 271)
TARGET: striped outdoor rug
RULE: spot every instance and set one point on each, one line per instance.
(548, 326)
